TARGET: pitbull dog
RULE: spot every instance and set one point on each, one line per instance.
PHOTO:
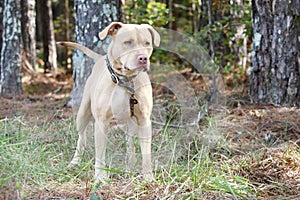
(118, 89)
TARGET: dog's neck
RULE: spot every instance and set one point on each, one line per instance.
(120, 79)
(125, 82)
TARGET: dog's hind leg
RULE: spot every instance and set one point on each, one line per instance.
(101, 129)
(84, 115)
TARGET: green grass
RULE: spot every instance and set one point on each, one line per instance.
(34, 155)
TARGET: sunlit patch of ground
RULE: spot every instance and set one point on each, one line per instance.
(250, 152)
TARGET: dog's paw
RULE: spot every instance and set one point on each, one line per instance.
(100, 175)
(72, 166)
(148, 177)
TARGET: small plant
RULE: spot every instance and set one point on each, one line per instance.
(153, 13)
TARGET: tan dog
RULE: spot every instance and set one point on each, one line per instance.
(118, 89)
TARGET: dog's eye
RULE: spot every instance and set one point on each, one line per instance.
(147, 43)
(129, 42)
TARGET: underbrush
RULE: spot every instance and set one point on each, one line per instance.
(34, 159)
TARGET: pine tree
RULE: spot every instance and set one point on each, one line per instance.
(91, 17)
(10, 58)
(275, 71)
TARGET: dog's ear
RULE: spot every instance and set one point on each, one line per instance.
(111, 30)
(155, 35)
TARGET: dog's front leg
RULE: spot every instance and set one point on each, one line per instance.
(130, 150)
(145, 137)
(100, 149)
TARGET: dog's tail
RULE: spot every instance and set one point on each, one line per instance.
(85, 50)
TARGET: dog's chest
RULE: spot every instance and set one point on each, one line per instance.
(120, 104)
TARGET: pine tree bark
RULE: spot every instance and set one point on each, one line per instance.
(1, 26)
(49, 45)
(238, 42)
(91, 17)
(28, 33)
(275, 70)
(10, 61)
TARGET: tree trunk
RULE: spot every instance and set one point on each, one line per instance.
(10, 61)
(67, 33)
(91, 17)
(275, 70)
(1, 28)
(28, 33)
(49, 46)
(238, 42)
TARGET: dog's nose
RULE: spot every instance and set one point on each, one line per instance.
(142, 59)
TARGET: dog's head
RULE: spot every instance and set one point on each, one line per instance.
(131, 46)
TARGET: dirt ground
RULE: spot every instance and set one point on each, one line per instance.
(272, 131)
(42, 93)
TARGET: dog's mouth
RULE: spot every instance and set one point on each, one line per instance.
(126, 71)
(129, 70)
(137, 69)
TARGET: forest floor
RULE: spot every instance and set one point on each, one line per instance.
(258, 153)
